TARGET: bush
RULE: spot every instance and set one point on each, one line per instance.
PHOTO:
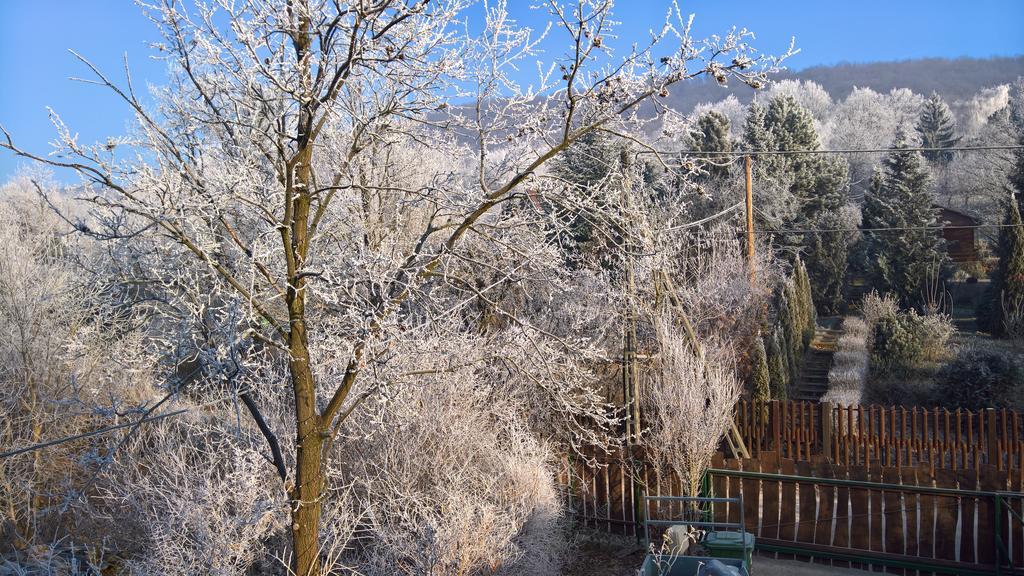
(875, 307)
(904, 340)
(979, 379)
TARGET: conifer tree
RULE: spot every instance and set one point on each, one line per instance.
(585, 166)
(756, 137)
(815, 183)
(793, 330)
(712, 135)
(760, 374)
(937, 128)
(1006, 292)
(778, 370)
(808, 315)
(900, 203)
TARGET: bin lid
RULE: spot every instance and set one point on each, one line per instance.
(724, 539)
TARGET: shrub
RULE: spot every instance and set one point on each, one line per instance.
(760, 374)
(906, 339)
(875, 307)
(979, 379)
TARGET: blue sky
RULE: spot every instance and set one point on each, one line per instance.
(35, 36)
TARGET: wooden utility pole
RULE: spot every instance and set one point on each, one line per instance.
(750, 218)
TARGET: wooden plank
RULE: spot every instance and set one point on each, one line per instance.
(807, 502)
(844, 525)
(787, 510)
(968, 508)
(751, 503)
(946, 513)
(826, 495)
(1016, 530)
(860, 536)
(990, 478)
(776, 427)
(893, 514)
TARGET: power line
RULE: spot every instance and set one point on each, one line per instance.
(703, 220)
(884, 229)
(839, 151)
(67, 439)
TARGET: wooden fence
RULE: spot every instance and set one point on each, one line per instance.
(908, 517)
(884, 436)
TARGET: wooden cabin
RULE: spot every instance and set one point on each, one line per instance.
(958, 231)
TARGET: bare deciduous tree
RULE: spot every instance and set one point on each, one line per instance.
(271, 180)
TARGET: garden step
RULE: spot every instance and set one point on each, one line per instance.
(813, 381)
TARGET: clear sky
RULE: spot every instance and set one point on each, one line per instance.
(36, 34)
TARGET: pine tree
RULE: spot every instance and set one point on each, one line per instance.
(760, 374)
(937, 128)
(818, 181)
(712, 135)
(756, 137)
(815, 183)
(899, 201)
(1006, 292)
(585, 167)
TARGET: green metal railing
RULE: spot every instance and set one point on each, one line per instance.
(999, 499)
(1002, 552)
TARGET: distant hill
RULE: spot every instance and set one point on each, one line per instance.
(956, 79)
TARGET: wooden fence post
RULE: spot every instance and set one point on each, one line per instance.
(992, 451)
(826, 430)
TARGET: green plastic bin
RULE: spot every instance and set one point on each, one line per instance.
(721, 544)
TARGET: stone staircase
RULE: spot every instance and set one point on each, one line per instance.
(817, 361)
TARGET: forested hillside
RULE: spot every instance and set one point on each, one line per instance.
(954, 80)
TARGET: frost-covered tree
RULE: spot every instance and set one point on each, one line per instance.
(937, 129)
(730, 107)
(761, 384)
(711, 134)
(815, 183)
(865, 119)
(810, 95)
(1003, 311)
(901, 243)
(589, 170)
(297, 194)
(778, 370)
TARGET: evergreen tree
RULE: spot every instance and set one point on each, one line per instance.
(793, 330)
(937, 128)
(760, 374)
(808, 315)
(712, 135)
(832, 252)
(778, 371)
(586, 167)
(756, 137)
(818, 181)
(1006, 292)
(815, 183)
(900, 202)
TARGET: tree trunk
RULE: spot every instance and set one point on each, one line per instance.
(309, 477)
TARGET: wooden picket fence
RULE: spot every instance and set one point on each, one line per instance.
(887, 436)
(912, 519)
